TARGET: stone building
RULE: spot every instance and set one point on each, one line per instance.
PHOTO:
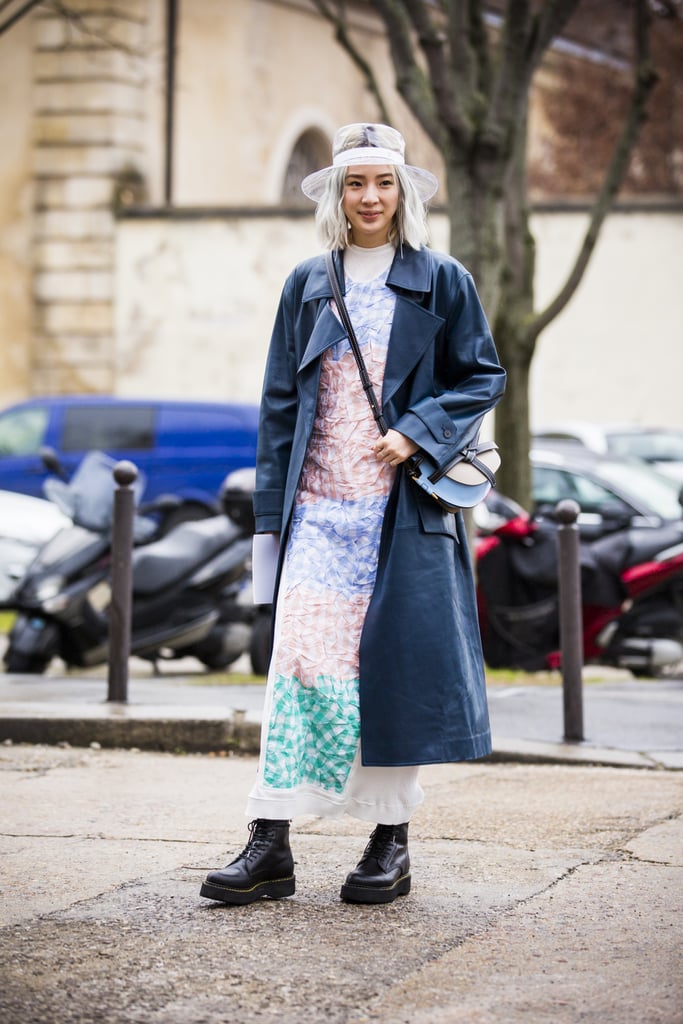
(149, 203)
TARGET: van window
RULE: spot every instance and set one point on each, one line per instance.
(22, 432)
(107, 427)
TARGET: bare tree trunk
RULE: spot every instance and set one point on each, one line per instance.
(512, 416)
(476, 220)
(514, 340)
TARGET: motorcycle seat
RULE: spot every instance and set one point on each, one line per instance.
(179, 554)
(645, 544)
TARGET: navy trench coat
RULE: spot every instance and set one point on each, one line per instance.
(422, 688)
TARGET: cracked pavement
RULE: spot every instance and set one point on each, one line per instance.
(541, 893)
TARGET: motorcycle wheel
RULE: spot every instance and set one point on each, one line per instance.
(218, 662)
(23, 664)
(674, 671)
(259, 648)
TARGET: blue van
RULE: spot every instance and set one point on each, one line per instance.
(183, 448)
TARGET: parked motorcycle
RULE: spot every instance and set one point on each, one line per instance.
(632, 593)
(191, 589)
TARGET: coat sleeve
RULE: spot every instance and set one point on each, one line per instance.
(277, 418)
(469, 379)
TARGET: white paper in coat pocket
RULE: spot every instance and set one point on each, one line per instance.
(264, 558)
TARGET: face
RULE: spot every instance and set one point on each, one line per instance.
(370, 201)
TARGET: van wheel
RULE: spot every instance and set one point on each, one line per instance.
(23, 664)
(259, 648)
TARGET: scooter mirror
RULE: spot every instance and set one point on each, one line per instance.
(50, 460)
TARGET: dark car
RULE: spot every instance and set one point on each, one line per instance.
(185, 448)
(611, 492)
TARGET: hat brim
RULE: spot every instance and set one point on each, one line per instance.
(426, 184)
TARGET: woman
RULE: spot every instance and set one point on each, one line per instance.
(376, 664)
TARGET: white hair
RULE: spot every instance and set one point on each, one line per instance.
(410, 220)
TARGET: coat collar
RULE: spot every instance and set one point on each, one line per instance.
(410, 271)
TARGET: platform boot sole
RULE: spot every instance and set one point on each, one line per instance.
(276, 889)
(375, 894)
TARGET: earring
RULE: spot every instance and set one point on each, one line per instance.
(348, 225)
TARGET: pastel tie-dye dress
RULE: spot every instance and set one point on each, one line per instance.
(311, 718)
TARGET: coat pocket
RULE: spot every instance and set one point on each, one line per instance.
(434, 519)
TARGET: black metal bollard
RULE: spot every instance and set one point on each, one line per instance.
(125, 474)
(571, 629)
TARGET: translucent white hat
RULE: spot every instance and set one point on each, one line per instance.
(358, 144)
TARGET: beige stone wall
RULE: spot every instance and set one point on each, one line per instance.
(616, 352)
(16, 204)
(90, 130)
(196, 302)
(250, 84)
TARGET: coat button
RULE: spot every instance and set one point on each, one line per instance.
(447, 432)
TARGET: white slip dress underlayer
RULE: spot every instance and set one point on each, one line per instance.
(310, 744)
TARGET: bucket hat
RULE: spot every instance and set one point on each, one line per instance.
(359, 144)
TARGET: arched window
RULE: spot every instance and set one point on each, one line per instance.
(311, 152)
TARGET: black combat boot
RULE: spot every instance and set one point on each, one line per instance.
(383, 872)
(265, 867)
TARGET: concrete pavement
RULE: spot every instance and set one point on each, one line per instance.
(546, 881)
(542, 894)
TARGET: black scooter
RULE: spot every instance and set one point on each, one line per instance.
(191, 587)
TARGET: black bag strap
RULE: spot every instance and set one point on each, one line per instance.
(348, 326)
(470, 454)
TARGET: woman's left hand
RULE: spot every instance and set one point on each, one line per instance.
(394, 448)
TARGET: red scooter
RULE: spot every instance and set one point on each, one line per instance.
(632, 592)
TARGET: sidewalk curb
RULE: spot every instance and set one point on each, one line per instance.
(197, 730)
(238, 733)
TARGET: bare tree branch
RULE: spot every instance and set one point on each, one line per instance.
(463, 57)
(411, 81)
(341, 33)
(644, 80)
(451, 95)
(77, 19)
(510, 74)
(547, 24)
(479, 40)
(18, 15)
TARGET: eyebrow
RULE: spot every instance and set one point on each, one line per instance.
(363, 177)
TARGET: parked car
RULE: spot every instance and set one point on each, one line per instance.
(661, 447)
(185, 448)
(612, 492)
(26, 523)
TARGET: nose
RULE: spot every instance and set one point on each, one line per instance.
(371, 193)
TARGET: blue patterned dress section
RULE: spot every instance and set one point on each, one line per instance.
(330, 566)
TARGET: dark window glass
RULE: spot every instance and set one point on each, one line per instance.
(310, 153)
(109, 428)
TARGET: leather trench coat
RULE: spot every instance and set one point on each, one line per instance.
(422, 688)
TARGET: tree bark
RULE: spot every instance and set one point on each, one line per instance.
(469, 90)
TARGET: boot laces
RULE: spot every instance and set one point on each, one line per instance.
(260, 836)
(381, 841)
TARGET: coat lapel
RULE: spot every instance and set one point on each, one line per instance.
(327, 331)
(412, 332)
(414, 327)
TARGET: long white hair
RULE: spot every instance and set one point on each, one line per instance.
(327, 188)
